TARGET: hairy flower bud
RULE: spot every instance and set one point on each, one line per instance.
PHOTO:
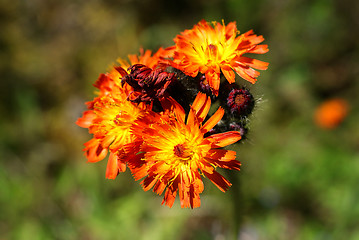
(240, 101)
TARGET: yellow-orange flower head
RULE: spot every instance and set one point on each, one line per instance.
(177, 153)
(109, 120)
(214, 49)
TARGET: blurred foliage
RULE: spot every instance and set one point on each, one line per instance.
(298, 181)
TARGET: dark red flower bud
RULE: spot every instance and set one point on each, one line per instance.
(240, 101)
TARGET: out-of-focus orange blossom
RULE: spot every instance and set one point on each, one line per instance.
(330, 113)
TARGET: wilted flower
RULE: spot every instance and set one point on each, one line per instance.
(148, 84)
(109, 120)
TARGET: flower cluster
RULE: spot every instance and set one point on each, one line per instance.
(153, 114)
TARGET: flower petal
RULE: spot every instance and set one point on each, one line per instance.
(199, 101)
(223, 158)
(214, 119)
(170, 194)
(112, 166)
(170, 105)
(213, 79)
(218, 180)
(94, 150)
(224, 139)
(228, 73)
(247, 73)
(87, 119)
(254, 63)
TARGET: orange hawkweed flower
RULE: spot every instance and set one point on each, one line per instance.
(212, 50)
(109, 120)
(176, 153)
(331, 113)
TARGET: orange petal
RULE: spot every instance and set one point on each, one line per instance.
(228, 73)
(148, 182)
(259, 49)
(247, 73)
(224, 139)
(94, 151)
(218, 180)
(223, 158)
(133, 59)
(253, 63)
(201, 106)
(251, 39)
(87, 119)
(170, 194)
(202, 113)
(159, 187)
(213, 81)
(194, 190)
(199, 101)
(171, 105)
(183, 191)
(216, 117)
(139, 172)
(106, 141)
(112, 166)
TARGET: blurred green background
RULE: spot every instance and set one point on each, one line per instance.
(298, 181)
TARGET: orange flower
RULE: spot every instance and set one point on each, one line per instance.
(109, 121)
(212, 50)
(176, 153)
(331, 113)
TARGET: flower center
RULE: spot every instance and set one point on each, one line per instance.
(212, 51)
(240, 100)
(212, 48)
(180, 150)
